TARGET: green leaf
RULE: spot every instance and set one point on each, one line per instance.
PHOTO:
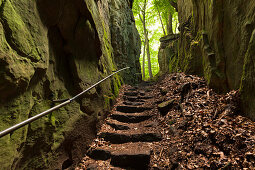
(153, 26)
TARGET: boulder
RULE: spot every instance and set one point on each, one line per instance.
(164, 107)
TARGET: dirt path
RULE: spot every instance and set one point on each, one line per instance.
(176, 124)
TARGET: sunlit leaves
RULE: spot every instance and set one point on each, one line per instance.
(154, 27)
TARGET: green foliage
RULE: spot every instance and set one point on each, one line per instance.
(18, 34)
(175, 22)
(154, 27)
(165, 9)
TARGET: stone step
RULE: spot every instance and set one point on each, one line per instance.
(131, 93)
(130, 118)
(125, 137)
(136, 160)
(137, 98)
(128, 155)
(132, 89)
(147, 90)
(117, 125)
(130, 98)
(133, 99)
(145, 97)
(133, 103)
(142, 93)
(135, 93)
(132, 109)
(99, 154)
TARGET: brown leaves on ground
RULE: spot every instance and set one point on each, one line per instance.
(204, 129)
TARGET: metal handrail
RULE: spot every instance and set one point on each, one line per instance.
(66, 101)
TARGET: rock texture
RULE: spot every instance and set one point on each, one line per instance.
(129, 147)
(216, 41)
(168, 53)
(125, 40)
(52, 50)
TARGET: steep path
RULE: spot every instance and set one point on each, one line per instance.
(126, 137)
(177, 123)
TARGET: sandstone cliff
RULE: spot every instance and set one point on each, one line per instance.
(53, 49)
(216, 41)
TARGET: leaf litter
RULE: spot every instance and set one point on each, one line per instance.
(204, 130)
(201, 129)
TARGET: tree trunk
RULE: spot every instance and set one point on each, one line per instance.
(145, 32)
(148, 54)
(160, 18)
(170, 24)
(174, 4)
(143, 60)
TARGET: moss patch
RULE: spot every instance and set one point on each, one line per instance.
(18, 36)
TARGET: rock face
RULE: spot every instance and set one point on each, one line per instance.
(125, 38)
(168, 53)
(216, 41)
(53, 50)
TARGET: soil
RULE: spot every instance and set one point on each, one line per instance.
(177, 123)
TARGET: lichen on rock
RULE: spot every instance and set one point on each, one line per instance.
(215, 42)
(53, 50)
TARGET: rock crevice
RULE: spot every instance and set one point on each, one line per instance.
(52, 50)
(215, 43)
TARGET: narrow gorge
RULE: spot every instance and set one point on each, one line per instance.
(197, 109)
(52, 50)
(215, 42)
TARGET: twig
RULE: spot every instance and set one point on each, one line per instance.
(160, 154)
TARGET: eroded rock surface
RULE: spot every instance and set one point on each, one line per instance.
(216, 42)
(53, 50)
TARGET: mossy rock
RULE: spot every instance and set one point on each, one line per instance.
(40, 63)
(248, 83)
(18, 34)
(164, 107)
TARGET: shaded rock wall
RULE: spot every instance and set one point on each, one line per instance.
(54, 49)
(168, 53)
(216, 41)
(125, 40)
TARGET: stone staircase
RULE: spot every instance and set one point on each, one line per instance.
(127, 134)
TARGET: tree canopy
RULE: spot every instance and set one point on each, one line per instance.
(154, 19)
